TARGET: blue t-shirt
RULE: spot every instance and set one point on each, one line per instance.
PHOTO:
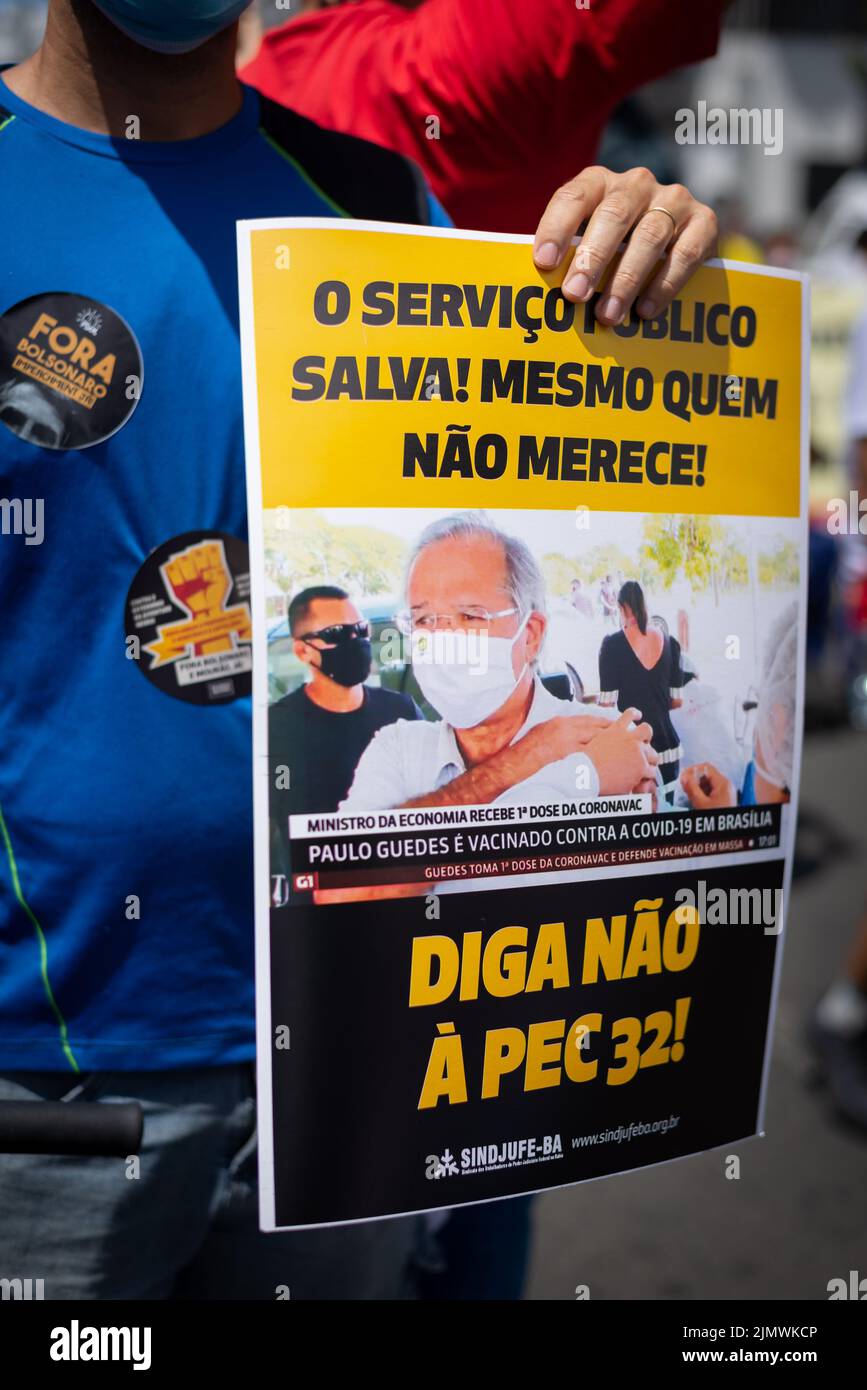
(126, 898)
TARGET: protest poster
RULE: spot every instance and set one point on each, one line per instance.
(500, 948)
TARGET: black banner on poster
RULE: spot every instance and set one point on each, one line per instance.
(524, 1040)
(325, 861)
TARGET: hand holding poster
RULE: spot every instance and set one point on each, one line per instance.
(528, 607)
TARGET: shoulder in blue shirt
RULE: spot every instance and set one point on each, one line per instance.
(126, 913)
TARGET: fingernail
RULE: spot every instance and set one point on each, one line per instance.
(548, 255)
(648, 308)
(578, 286)
(612, 308)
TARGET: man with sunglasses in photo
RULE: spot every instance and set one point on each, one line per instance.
(319, 731)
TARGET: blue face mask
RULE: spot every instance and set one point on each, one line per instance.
(172, 26)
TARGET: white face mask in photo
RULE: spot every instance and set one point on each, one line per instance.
(464, 682)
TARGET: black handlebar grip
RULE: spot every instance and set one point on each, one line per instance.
(73, 1127)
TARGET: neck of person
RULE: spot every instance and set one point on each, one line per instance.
(483, 740)
(90, 75)
(330, 695)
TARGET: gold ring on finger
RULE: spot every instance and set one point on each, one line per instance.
(670, 215)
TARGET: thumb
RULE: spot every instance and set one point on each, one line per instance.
(627, 717)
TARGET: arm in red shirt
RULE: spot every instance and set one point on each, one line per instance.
(521, 89)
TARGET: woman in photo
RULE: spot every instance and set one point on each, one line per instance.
(639, 667)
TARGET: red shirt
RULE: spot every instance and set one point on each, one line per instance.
(521, 88)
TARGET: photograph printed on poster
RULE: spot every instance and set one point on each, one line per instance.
(533, 669)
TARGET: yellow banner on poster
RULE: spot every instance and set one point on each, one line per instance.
(443, 370)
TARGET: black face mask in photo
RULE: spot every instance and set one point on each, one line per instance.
(349, 663)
